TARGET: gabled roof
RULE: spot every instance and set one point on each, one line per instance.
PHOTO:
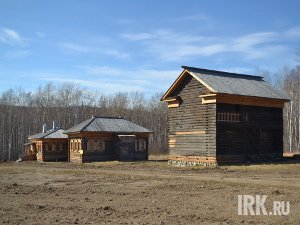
(54, 133)
(108, 124)
(220, 82)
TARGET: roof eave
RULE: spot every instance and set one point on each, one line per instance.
(279, 99)
(180, 78)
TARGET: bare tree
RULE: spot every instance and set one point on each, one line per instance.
(23, 113)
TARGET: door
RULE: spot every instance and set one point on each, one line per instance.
(126, 147)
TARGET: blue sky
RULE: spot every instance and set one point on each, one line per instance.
(132, 45)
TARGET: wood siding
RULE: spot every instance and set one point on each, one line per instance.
(245, 132)
(192, 125)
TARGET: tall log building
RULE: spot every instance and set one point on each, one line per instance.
(218, 117)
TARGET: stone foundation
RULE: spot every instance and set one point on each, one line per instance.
(180, 163)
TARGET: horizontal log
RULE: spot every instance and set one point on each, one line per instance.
(192, 158)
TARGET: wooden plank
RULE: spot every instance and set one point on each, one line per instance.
(190, 132)
(209, 159)
(250, 100)
(242, 100)
(171, 99)
(173, 104)
(208, 98)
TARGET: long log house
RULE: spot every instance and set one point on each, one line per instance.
(107, 138)
(217, 117)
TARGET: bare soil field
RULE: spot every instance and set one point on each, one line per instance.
(142, 193)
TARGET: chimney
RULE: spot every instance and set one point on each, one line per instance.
(53, 125)
(44, 128)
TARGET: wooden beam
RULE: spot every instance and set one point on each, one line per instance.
(207, 159)
(207, 95)
(250, 100)
(173, 104)
(190, 132)
(170, 99)
(208, 98)
(242, 100)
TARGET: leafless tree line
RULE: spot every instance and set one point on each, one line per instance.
(23, 113)
(290, 83)
(288, 80)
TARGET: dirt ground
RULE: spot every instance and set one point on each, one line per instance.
(142, 193)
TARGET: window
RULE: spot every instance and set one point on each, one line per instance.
(232, 117)
(141, 145)
(90, 145)
(99, 145)
(96, 145)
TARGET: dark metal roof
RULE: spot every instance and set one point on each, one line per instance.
(54, 133)
(234, 83)
(108, 124)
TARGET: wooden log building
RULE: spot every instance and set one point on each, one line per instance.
(107, 138)
(218, 117)
(48, 146)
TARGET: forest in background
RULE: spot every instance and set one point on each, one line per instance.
(23, 113)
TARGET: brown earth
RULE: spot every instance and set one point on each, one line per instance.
(142, 193)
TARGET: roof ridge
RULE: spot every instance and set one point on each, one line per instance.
(108, 117)
(51, 132)
(92, 119)
(222, 72)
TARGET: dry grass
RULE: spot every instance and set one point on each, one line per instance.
(280, 167)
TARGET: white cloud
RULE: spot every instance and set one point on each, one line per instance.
(17, 54)
(11, 37)
(248, 41)
(40, 34)
(103, 86)
(101, 70)
(127, 80)
(173, 46)
(137, 37)
(123, 21)
(71, 48)
(135, 74)
(191, 18)
(293, 32)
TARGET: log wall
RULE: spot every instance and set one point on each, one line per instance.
(95, 147)
(192, 125)
(52, 150)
